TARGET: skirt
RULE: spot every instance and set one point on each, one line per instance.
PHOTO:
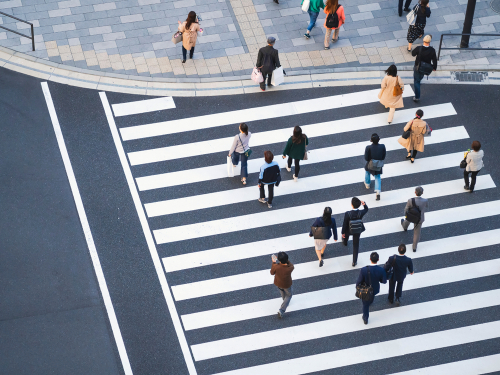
(415, 31)
(319, 244)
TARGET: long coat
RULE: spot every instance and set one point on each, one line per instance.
(189, 36)
(385, 95)
(416, 139)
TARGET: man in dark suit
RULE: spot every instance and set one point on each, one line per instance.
(377, 276)
(400, 263)
(354, 214)
(423, 205)
(267, 61)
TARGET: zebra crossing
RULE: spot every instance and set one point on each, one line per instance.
(211, 240)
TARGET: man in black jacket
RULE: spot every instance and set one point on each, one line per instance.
(267, 61)
(374, 156)
(354, 214)
(427, 54)
(376, 276)
(400, 263)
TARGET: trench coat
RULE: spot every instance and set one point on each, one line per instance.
(385, 95)
(189, 36)
(416, 139)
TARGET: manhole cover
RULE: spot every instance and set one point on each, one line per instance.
(495, 5)
(470, 76)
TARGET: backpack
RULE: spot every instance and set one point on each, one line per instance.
(332, 20)
(413, 215)
(356, 226)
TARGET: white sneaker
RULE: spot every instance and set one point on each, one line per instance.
(288, 169)
(295, 178)
(367, 186)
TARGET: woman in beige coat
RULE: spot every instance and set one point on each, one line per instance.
(386, 94)
(189, 29)
(415, 141)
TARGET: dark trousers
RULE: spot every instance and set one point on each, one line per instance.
(472, 180)
(266, 75)
(355, 245)
(366, 308)
(270, 188)
(184, 53)
(297, 165)
(400, 6)
(398, 285)
(417, 78)
(413, 154)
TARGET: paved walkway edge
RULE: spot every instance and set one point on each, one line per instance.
(43, 69)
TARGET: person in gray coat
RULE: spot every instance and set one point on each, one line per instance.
(423, 206)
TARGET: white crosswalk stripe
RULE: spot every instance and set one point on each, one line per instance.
(209, 270)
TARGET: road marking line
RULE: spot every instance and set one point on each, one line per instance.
(143, 106)
(87, 232)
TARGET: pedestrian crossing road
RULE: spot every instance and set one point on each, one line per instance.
(211, 241)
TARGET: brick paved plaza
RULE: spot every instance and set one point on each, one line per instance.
(133, 36)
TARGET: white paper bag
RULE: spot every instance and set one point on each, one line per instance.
(277, 77)
(230, 168)
(305, 5)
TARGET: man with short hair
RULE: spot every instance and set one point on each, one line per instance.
(282, 270)
(371, 275)
(354, 214)
(399, 263)
(422, 205)
(267, 61)
(427, 54)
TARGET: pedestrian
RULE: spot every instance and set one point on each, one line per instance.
(374, 156)
(282, 270)
(335, 17)
(415, 142)
(425, 54)
(239, 149)
(474, 161)
(189, 29)
(416, 31)
(399, 264)
(353, 225)
(267, 61)
(295, 149)
(415, 213)
(313, 11)
(371, 275)
(400, 7)
(323, 228)
(391, 93)
(269, 175)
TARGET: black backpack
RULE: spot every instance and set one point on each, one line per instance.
(332, 20)
(356, 226)
(413, 215)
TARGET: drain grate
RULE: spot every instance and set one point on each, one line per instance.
(495, 5)
(470, 76)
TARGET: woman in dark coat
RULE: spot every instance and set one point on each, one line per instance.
(295, 149)
(423, 11)
(327, 222)
(374, 156)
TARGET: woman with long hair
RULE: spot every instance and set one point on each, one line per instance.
(417, 30)
(189, 29)
(415, 142)
(335, 17)
(295, 149)
(322, 230)
(389, 85)
(238, 150)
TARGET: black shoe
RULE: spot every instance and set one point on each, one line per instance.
(365, 320)
(321, 263)
(412, 160)
(183, 61)
(378, 197)
(276, 1)
(398, 302)
(414, 250)
(269, 85)
(407, 9)
(416, 100)
(354, 264)
(400, 14)
(391, 301)
(466, 187)
(402, 221)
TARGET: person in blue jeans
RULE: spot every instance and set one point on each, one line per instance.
(374, 156)
(238, 148)
(314, 8)
(427, 54)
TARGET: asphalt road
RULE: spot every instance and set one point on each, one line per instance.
(52, 313)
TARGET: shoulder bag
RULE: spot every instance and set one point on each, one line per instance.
(411, 17)
(423, 67)
(177, 38)
(305, 154)
(390, 271)
(397, 90)
(463, 163)
(406, 134)
(320, 233)
(413, 215)
(305, 5)
(375, 165)
(364, 291)
(355, 226)
(248, 151)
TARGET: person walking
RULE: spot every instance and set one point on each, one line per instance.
(268, 60)
(314, 7)
(426, 54)
(348, 228)
(415, 142)
(335, 17)
(374, 156)
(391, 92)
(269, 175)
(399, 263)
(416, 31)
(322, 230)
(415, 213)
(239, 150)
(371, 275)
(282, 270)
(189, 29)
(400, 6)
(295, 149)
(474, 161)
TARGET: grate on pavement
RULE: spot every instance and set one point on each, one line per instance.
(470, 76)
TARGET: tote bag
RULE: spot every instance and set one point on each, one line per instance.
(412, 16)
(277, 77)
(230, 168)
(177, 38)
(305, 5)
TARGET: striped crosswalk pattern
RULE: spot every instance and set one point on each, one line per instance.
(215, 240)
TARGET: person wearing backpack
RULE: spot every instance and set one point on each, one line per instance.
(371, 275)
(399, 263)
(415, 213)
(313, 11)
(335, 17)
(353, 225)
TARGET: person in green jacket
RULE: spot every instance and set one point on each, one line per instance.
(295, 149)
(314, 8)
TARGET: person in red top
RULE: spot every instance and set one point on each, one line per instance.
(282, 270)
(332, 7)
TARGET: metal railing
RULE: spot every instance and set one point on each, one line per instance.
(32, 37)
(466, 48)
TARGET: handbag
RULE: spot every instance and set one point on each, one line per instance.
(305, 155)
(414, 214)
(320, 233)
(356, 226)
(364, 291)
(230, 168)
(428, 132)
(375, 165)
(177, 38)
(397, 90)
(248, 151)
(390, 270)
(278, 76)
(257, 75)
(305, 5)
(463, 163)
(406, 134)
(411, 17)
(423, 67)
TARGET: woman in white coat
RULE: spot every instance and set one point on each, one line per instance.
(474, 161)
